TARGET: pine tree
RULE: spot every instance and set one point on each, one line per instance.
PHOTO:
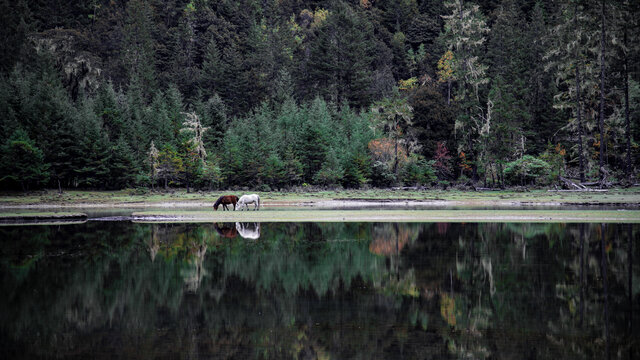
(138, 45)
(122, 165)
(340, 64)
(184, 68)
(392, 115)
(152, 162)
(465, 30)
(92, 152)
(175, 109)
(157, 122)
(213, 115)
(212, 75)
(22, 162)
(570, 57)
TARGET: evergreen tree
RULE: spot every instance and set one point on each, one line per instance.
(213, 113)
(314, 138)
(574, 57)
(138, 45)
(22, 162)
(341, 57)
(464, 34)
(184, 68)
(212, 76)
(157, 122)
(92, 154)
(392, 115)
(122, 165)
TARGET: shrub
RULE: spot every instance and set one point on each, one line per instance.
(382, 175)
(418, 171)
(527, 170)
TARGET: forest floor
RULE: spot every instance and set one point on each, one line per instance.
(379, 198)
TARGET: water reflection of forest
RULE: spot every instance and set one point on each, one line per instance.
(320, 290)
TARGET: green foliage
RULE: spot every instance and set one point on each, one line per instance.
(285, 89)
(122, 167)
(331, 172)
(555, 157)
(417, 171)
(527, 170)
(22, 162)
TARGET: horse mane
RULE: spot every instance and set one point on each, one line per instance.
(218, 202)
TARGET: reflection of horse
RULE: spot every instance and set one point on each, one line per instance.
(248, 230)
(226, 200)
(245, 200)
(227, 230)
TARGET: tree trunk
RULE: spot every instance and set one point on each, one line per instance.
(59, 186)
(395, 162)
(578, 106)
(602, 141)
(626, 109)
(449, 92)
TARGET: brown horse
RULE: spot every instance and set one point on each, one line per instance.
(226, 200)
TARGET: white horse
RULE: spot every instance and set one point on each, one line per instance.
(245, 200)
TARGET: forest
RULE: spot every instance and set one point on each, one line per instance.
(280, 94)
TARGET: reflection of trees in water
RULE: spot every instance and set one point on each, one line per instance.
(305, 290)
(553, 294)
(388, 239)
(598, 293)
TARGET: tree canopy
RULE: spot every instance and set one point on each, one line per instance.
(269, 95)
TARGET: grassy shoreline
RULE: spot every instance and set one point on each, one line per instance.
(179, 198)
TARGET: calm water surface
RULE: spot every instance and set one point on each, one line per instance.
(320, 290)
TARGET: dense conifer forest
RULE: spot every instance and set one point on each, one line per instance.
(274, 94)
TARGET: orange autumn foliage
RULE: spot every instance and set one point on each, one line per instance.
(464, 163)
(383, 150)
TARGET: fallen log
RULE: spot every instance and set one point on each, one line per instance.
(580, 190)
(570, 184)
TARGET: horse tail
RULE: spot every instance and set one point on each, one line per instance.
(258, 202)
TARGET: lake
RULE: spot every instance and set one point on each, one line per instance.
(106, 289)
